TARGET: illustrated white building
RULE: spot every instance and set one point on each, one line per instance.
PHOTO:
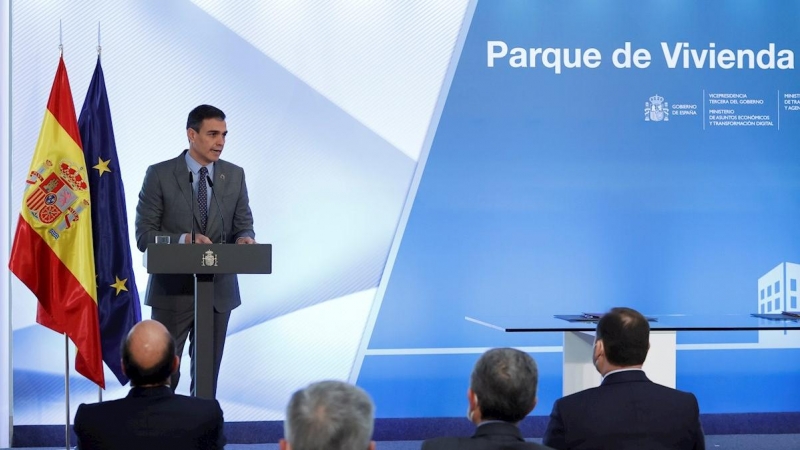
(778, 291)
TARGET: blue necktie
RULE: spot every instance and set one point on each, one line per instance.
(202, 199)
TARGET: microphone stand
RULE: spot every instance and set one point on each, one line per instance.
(219, 210)
(191, 188)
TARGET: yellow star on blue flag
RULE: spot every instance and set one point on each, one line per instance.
(102, 166)
(120, 284)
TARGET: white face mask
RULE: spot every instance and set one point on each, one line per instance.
(595, 356)
(471, 412)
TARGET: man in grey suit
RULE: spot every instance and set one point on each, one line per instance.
(502, 392)
(165, 209)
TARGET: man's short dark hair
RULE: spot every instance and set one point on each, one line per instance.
(505, 380)
(157, 374)
(625, 333)
(201, 113)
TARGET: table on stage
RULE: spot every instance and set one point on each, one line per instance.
(660, 365)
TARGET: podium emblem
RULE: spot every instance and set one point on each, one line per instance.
(209, 259)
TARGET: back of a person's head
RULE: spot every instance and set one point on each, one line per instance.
(148, 354)
(329, 415)
(504, 381)
(625, 333)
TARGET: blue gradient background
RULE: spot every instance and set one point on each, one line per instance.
(548, 193)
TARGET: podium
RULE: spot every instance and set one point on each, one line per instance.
(204, 261)
(579, 371)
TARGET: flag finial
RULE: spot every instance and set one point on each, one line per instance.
(99, 48)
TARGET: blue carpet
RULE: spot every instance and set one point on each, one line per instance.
(726, 442)
(779, 427)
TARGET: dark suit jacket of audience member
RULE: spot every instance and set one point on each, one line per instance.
(627, 411)
(488, 436)
(150, 418)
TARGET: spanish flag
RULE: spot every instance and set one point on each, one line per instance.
(52, 252)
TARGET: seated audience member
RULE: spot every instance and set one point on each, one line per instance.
(151, 416)
(627, 410)
(329, 415)
(502, 392)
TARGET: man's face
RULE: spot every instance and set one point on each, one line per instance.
(205, 146)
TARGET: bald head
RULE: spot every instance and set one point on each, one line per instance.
(148, 354)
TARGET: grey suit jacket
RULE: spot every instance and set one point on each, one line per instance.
(165, 209)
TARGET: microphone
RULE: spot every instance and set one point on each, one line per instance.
(219, 210)
(191, 188)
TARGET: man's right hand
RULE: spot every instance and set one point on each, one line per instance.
(198, 239)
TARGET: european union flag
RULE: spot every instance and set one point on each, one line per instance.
(117, 296)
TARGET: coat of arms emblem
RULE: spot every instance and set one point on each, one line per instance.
(209, 259)
(656, 110)
(53, 197)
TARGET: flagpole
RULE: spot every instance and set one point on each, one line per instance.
(66, 337)
(99, 389)
(66, 387)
